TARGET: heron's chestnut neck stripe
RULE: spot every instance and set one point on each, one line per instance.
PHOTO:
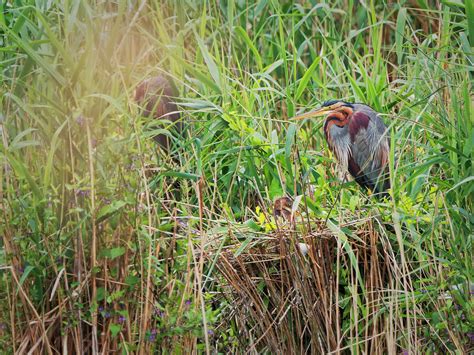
(339, 118)
(333, 120)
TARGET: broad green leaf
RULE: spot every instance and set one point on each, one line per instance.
(306, 77)
(113, 252)
(464, 181)
(23, 172)
(25, 274)
(399, 33)
(243, 246)
(211, 64)
(52, 151)
(252, 225)
(109, 210)
(131, 280)
(275, 189)
(245, 37)
(36, 57)
(17, 142)
(115, 329)
(470, 20)
(290, 139)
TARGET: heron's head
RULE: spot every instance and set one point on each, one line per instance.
(155, 96)
(333, 108)
(152, 87)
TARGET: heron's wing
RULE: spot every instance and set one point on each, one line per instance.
(369, 151)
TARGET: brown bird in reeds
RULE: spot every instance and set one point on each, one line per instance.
(282, 207)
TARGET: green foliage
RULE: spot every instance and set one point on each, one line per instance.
(102, 229)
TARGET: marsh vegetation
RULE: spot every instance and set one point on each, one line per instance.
(241, 235)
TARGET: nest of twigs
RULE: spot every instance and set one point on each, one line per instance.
(291, 292)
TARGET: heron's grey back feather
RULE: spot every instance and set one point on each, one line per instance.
(370, 148)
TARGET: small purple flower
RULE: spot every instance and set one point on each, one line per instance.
(470, 335)
(405, 352)
(81, 121)
(101, 308)
(159, 313)
(152, 336)
(122, 319)
(187, 303)
(107, 315)
(3, 326)
(210, 332)
(83, 193)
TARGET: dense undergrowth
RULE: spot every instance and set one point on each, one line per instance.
(108, 244)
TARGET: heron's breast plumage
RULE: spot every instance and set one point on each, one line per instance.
(339, 142)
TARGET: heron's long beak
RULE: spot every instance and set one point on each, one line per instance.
(323, 111)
